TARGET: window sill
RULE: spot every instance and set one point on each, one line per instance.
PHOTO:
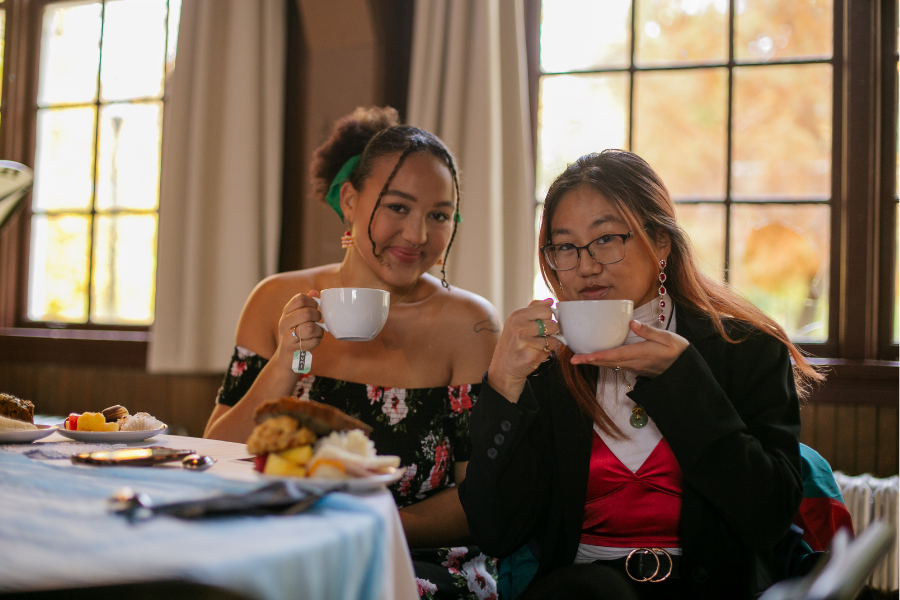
(857, 382)
(848, 381)
(72, 346)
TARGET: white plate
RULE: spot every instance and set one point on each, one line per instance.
(354, 484)
(109, 437)
(26, 437)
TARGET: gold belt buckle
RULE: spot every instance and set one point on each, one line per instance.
(656, 552)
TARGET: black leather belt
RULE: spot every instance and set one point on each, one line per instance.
(651, 565)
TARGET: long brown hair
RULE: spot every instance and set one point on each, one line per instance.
(627, 181)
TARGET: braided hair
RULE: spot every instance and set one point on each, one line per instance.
(372, 133)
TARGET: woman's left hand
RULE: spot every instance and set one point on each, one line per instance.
(645, 359)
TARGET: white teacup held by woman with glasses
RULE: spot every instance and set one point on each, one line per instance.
(653, 457)
(404, 351)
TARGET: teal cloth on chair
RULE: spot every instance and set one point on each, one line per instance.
(516, 572)
(822, 511)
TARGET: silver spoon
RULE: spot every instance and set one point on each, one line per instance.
(197, 462)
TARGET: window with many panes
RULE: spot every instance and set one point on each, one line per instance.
(731, 103)
(98, 112)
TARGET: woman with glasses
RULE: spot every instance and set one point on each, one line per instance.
(668, 467)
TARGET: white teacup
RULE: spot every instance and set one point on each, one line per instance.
(354, 314)
(588, 326)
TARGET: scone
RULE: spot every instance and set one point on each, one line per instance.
(304, 438)
(16, 408)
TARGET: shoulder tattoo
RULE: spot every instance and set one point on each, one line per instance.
(489, 324)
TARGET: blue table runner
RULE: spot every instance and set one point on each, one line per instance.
(55, 532)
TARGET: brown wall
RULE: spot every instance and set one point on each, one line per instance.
(184, 402)
(854, 438)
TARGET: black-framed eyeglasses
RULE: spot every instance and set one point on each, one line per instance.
(606, 250)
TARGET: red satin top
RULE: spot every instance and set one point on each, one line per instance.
(632, 510)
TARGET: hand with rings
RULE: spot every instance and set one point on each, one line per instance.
(524, 344)
(298, 328)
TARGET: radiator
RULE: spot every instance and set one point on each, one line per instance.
(871, 499)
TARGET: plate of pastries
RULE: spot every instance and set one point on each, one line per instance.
(319, 444)
(17, 421)
(111, 425)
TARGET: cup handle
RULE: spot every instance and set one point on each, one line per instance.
(558, 336)
(319, 302)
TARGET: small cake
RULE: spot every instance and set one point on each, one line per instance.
(114, 413)
(16, 408)
(16, 414)
(140, 422)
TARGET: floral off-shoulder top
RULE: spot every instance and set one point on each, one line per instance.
(428, 428)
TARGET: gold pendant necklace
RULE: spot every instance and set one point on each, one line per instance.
(639, 416)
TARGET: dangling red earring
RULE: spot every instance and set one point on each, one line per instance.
(347, 240)
(662, 291)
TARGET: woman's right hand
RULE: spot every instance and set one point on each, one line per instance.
(520, 349)
(300, 315)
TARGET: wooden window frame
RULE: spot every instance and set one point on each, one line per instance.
(20, 338)
(860, 345)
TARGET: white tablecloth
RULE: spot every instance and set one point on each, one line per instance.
(55, 531)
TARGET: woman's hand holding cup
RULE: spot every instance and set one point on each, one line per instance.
(522, 347)
(645, 359)
(298, 328)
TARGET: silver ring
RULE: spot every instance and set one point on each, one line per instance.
(294, 332)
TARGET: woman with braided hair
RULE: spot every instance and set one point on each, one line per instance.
(395, 187)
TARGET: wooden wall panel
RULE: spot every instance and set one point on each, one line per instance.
(855, 438)
(807, 433)
(844, 440)
(888, 441)
(182, 401)
(866, 438)
(822, 424)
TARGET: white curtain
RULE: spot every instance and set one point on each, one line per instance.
(220, 198)
(469, 86)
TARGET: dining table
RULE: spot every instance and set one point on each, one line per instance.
(58, 530)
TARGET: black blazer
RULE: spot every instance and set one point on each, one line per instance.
(729, 412)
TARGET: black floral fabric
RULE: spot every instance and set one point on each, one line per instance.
(428, 428)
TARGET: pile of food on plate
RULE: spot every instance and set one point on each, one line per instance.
(114, 418)
(16, 414)
(304, 438)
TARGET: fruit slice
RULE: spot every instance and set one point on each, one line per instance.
(72, 421)
(299, 455)
(90, 421)
(328, 469)
(110, 426)
(275, 465)
(259, 463)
